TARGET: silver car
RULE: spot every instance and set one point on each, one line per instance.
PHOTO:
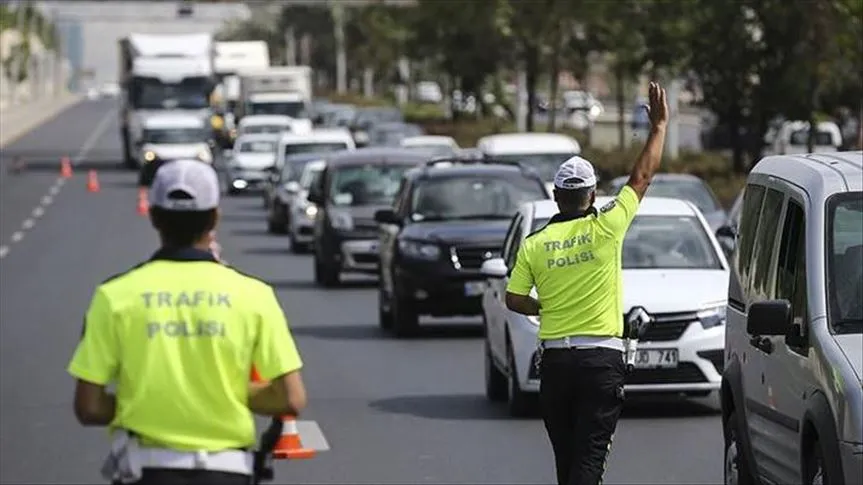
(683, 186)
(792, 387)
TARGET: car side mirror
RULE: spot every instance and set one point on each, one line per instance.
(387, 216)
(292, 187)
(494, 268)
(316, 196)
(769, 318)
(726, 232)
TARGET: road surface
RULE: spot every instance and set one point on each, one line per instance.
(392, 411)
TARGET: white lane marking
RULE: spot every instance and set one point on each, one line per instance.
(311, 436)
(48, 199)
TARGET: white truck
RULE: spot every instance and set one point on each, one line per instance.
(159, 73)
(284, 90)
(232, 59)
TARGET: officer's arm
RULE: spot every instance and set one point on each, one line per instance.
(648, 162)
(278, 362)
(95, 364)
(521, 281)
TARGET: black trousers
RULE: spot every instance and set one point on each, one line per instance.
(166, 476)
(581, 397)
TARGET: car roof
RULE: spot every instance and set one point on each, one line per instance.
(265, 120)
(173, 120)
(259, 137)
(434, 139)
(820, 174)
(317, 135)
(525, 143)
(661, 177)
(652, 206)
(466, 168)
(378, 155)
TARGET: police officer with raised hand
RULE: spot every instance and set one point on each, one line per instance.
(575, 264)
(178, 336)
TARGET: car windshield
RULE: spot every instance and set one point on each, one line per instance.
(546, 164)
(147, 93)
(267, 129)
(174, 135)
(372, 184)
(294, 167)
(310, 173)
(473, 197)
(690, 190)
(258, 146)
(845, 262)
(294, 109)
(801, 138)
(320, 147)
(668, 242)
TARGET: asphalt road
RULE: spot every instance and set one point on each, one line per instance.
(392, 411)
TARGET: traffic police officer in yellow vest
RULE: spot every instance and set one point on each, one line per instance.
(178, 336)
(575, 264)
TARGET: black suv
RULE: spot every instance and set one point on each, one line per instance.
(353, 186)
(447, 219)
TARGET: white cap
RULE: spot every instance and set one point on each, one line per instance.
(185, 185)
(575, 173)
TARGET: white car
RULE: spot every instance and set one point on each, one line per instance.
(172, 136)
(440, 145)
(301, 224)
(252, 160)
(544, 152)
(272, 124)
(673, 267)
(324, 140)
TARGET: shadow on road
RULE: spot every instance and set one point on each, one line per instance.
(311, 285)
(121, 184)
(267, 251)
(449, 407)
(247, 217)
(667, 407)
(341, 332)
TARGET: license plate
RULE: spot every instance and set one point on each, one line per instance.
(473, 288)
(656, 358)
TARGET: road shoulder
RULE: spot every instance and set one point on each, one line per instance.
(16, 121)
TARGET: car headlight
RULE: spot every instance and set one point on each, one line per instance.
(341, 221)
(712, 317)
(311, 211)
(595, 111)
(419, 250)
(149, 156)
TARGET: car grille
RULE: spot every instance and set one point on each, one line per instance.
(685, 373)
(366, 258)
(472, 257)
(365, 225)
(668, 326)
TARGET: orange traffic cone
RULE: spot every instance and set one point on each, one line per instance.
(65, 167)
(289, 445)
(92, 182)
(143, 204)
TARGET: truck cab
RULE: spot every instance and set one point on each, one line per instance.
(160, 73)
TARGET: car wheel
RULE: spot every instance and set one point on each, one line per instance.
(495, 380)
(385, 310)
(326, 275)
(737, 470)
(519, 402)
(405, 318)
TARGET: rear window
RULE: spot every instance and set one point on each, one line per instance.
(801, 138)
(327, 147)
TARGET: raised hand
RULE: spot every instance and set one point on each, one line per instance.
(657, 108)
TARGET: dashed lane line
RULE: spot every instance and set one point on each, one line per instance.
(58, 184)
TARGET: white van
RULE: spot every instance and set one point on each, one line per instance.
(254, 124)
(792, 138)
(172, 136)
(316, 141)
(544, 152)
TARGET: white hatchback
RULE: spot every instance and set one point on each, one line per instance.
(673, 267)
